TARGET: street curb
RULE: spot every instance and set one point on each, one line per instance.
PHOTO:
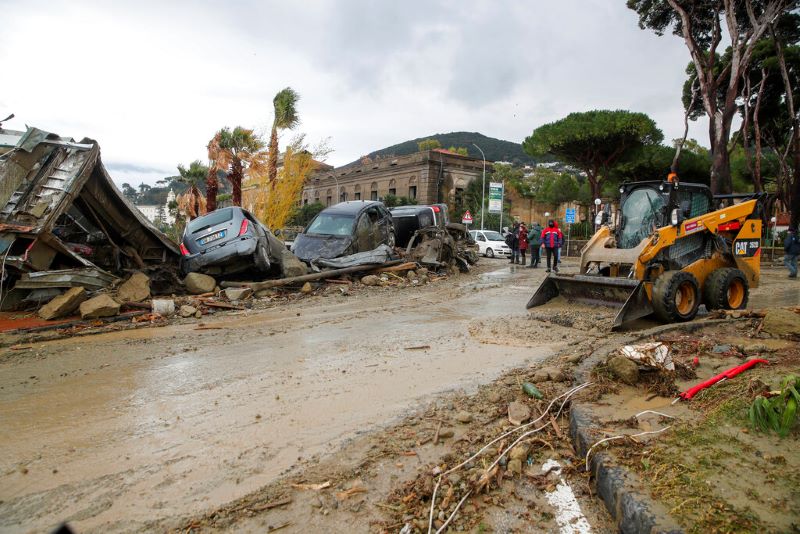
(620, 489)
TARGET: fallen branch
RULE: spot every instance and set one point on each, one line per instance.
(394, 268)
(273, 504)
(333, 273)
(315, 487)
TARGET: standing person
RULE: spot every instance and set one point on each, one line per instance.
(791, 248)
(512, 240)
(552, 238)
(534, 241)
(522, 234)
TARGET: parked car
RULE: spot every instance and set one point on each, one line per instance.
(409, 219)
(227, 241)
(345, 228)
(490, 243)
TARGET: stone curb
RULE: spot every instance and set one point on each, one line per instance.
(633, 510)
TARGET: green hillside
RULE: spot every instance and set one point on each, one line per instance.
(495, 149)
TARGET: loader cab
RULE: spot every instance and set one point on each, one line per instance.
(645, 206)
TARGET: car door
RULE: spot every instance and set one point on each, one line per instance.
(363, 237)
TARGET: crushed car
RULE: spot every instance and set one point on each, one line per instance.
(344, 229)
(437, 247)
(409, 219)
(229, 241)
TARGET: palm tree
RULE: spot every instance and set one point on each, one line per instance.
(192, 177)
(238, 149)
(212, 182)
(286, 117)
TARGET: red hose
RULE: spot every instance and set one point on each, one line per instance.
(730, 373)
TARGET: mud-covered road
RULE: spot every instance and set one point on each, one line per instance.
(116, 431)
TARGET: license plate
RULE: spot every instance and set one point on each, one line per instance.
(212, 237)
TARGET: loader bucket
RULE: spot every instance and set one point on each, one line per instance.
(597, 290)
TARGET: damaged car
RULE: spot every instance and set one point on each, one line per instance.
(229, 241)
(344, 229)
(409, 219)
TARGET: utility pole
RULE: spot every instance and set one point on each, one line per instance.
(483, 185)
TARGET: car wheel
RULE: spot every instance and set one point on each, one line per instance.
(489, 253)
(262, 258)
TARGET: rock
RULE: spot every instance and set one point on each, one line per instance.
(63, 305)
(100, 306)
(291, 266)
(307, 288)
(134, 289)
(198, 314)
(515, 466)
(755, 348)
(423, 279)
(187, 311)
(421, 271)
(782, 322)
(464, 417)
(265, 293)
(520, 452)
(371, 280)
(548, 373)
(574, 358)
(412, 275)
(518, 413)
(446, 433)
(494, 397)
(238, 293)
(541, 376)
(163, 306)
(721, 349)
(624, 369)
(197, 283)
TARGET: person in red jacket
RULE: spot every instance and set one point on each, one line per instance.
(552, 239)
(523, 242)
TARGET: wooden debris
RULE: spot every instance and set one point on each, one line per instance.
(394, 268)
(273, 504)
(314, 487)
(418, 347)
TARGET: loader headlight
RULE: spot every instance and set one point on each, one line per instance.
(675, 217)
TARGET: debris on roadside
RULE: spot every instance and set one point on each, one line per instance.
(655, 355)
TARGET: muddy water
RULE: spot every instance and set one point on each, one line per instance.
(112, 431)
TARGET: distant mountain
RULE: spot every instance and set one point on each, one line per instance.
(495, 149)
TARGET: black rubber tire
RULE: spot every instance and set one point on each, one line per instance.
(665, 296)
(262, 258)
(489, 253)
(721, 287)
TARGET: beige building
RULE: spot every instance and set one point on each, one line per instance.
(429, 177)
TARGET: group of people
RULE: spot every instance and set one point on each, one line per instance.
(519, 239)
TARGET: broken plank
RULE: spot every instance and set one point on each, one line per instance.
(407, 266)
(221, 305)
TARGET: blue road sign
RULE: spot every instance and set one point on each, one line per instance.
(570, 216)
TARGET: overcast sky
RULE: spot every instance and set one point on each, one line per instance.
(153, 81)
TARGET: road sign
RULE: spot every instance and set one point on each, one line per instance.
(570, 216)
(466, 218)
(495, 197)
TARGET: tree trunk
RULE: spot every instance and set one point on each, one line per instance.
(720, 162)
(759, 182)
(272, 163)
(235, 179)
(212, 186)
(794, 188)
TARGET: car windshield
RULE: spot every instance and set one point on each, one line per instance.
(639, 215)
(493, 236)
(207, 221)
(332, 224)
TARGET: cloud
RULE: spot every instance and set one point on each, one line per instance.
(152, 81)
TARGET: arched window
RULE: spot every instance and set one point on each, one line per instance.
(373, 191)
(392, 187)
(412, 187)
(357, 192)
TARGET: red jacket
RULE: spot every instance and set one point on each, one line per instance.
(552, 237)
(523, 237)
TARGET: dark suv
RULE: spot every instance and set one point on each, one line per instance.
(409, 219)
(229, 240)
(345, 228)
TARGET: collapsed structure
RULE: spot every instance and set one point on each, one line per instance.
(63, 222)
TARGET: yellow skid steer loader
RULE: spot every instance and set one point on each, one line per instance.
(669, 251)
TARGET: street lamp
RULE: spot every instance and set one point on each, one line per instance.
(597, 203)
(483, 188)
